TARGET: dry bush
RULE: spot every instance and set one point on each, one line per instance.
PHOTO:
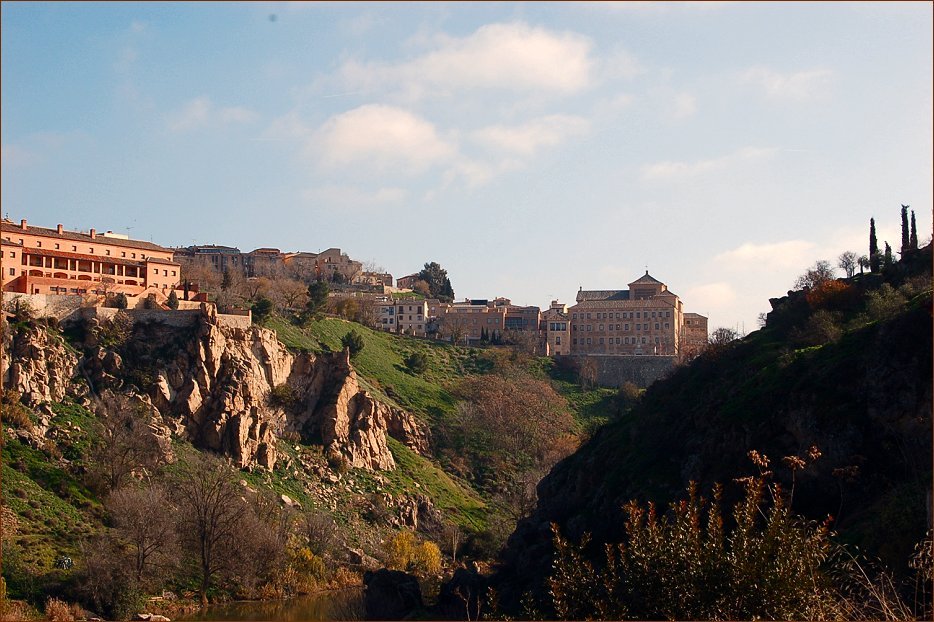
(58, 611)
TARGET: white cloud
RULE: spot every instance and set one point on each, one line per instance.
(383, 137)
(527, 138)
(201, 112)
(708, 297)
(799, 86)
(680, 171)
(350, 196)
(513, 56)
(775, 256)
(684, 106)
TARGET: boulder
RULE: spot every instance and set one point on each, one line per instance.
(390, 595)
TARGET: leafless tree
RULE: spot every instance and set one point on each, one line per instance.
(820, 272)
(723, 336)
(145, 519)
(125, 443)
(199, 274)
(289, 293)
(211, 514)
(587, 373)
(848, 261)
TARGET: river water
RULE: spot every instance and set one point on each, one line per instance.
(335, 605)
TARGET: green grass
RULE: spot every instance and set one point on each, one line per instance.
(381, 363)
(462, 504)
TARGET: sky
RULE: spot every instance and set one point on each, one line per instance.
(529, 148)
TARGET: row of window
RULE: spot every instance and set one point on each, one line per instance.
(619, 341)
(647, 326)
(626, 315)
(74, 249)
(556, 326)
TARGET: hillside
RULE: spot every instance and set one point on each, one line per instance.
(304, 424)
(845, 367)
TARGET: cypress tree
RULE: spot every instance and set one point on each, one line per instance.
(905, 247)
(888, 255)
(873, 247)
(913, 240)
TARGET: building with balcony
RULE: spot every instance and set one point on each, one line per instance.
(38, 260)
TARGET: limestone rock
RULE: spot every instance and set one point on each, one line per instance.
(38, 365)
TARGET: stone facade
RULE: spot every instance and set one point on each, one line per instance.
(646, 319)
(556, 322)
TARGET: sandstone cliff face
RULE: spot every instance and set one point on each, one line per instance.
(38, 365)
(211, 384)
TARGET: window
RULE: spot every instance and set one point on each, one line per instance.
(617, 316)
(107, 252)
(12, 271)
(173, 272)
(643, 340)
(626, 340)
(574, 341)
(165, 273)
(617, 341)
(155, 270)
(666, 325)
(601, 341)
(91, 250)
(74, 249)
(667, 313)
(588, 316)
(656, 325)
(589, 327)
(625, 326)
(589, 341)
(39, 244)
(638, 326)
(637, 314)
(57, 246)
(601, 328)
(133, 255)
(558, 340)
(573, 316)
(656, 340)
(617, 327)
(123, 253)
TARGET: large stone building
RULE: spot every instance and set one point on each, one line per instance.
(471, 320)
(37, 260)
(221, 258)
(645, 319)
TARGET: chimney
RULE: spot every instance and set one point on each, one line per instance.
(22, 224)
(60, 229)
(93, 233)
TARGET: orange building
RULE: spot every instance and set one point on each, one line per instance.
(37, 260)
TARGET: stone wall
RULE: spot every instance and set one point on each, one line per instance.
(59, 306)
(179, 319)
(613, 371)
(231, 320)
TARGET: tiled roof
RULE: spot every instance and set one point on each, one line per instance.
(619, 304)
(10, 227)
(162, 261)
(47, 252)
(646, 279)
(602, 294)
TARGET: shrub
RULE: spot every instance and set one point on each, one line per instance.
(426, 559)
(172, 302)
(417, 362)
(120, 301)
(261, 309)
(404, 553)
(58, 611)
(12, 411)
(282, 396)
(353, 341)
(833, 296)
(685, 566)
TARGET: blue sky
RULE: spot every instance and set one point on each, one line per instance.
(530, 149)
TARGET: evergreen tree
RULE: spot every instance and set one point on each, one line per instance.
(874, 258)
(173, 300)
(905, 247)
(913, 239)
(887, 262)
(227, 281)
(439, 285)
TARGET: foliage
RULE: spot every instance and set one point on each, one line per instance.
(439, 285)
(403, 552)
(816, 275)
(13, 413)
(417, 362)
(172, 302)
(261, 309)
(687, 565)
(317, 298)
(282, 396)
(354, 342)
(124, 442)
(833, 295)
(848, 261)
(875, 259)
(119, 301)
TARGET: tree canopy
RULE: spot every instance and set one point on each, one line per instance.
(439, 285)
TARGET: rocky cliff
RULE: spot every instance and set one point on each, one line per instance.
(230, 390)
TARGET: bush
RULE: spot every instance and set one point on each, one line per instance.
(282, 396)
(353, 341)
(12, 411)
(261, 309)
(404, 553)
(120, 301)
(417, 362)
(172, 302)
(685, 566)
(58, 611)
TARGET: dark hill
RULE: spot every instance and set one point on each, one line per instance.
(849, 373)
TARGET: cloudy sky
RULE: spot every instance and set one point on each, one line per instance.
(530, 149)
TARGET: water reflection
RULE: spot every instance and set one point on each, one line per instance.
(337, 605)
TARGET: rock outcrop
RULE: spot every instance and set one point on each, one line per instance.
(231, 390)
(38, 365)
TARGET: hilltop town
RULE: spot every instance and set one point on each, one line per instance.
(60, 269)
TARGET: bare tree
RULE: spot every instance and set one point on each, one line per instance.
(211, 513)
(848, 261)
(723, 336)
(289, 293)
(820, 272)
(863, 262)
(125, 443)
(145, 519)
(587, 373)
(200, 274)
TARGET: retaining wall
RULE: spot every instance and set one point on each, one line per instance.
(613, 371)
